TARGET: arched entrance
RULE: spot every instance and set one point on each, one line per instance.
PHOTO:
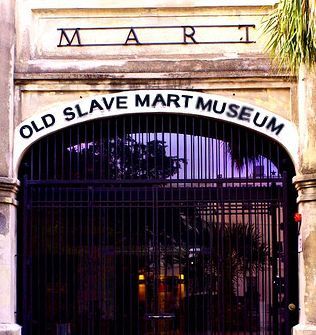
(156, 224)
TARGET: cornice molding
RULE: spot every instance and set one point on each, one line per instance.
(8, 190)
(306, 187)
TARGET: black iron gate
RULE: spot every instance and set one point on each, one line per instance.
(155, 225)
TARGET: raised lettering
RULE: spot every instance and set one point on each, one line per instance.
(173, 98)
(272, 126)
(247, 40)
(94, 104)
(189, 35)
(219, 111)
(80, 114)
(27, 134)
(132, 37)
(159, 100)
(108, 105)
(69, 41)
(68, 114)
(233, 110)
(48, 120)
(186, 99)
(35, 127)
(121, 102)
(244, 114)
(140, 102)
(263, 122)
(201, 105)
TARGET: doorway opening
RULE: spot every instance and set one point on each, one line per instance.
(156, 224)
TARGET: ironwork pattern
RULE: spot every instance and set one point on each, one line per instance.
(155, 224)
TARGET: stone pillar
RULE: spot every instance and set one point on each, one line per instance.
(306, 187)
(8, 189)
(7, 49)
(8, 185)
(305, 183)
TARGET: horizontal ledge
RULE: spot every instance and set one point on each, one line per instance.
(155, 4)
(306, 187)
(8, 182)
(8, 201)
(10, 329)
(153, 75)
(302, 329)
(230, 66)
(306, 179)
(8, 186)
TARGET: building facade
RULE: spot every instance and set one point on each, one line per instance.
(152, 161)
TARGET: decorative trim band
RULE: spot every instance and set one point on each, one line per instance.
(9, 201)
(8, 190)
(306, 187)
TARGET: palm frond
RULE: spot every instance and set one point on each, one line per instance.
(291, 31)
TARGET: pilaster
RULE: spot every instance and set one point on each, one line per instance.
(8, 186)
(10, 329)
(306, 187)
(7, 50)
(8, 203)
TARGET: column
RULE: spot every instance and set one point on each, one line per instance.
(305, 183)
(8, 238)
(306, 187)
(8, 185)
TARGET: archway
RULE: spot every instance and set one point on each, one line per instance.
(156, 224)
(183, 102)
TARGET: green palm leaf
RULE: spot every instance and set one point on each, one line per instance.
(292, 33)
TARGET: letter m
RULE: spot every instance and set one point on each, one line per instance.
(201, 105)
(65, 39)
(273, 127)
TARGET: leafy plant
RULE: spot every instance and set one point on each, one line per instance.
(125, 158)
(291, 29)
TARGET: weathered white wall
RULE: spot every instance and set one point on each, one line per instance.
(46, 76)
(7, 184)
(305, 182)
(38, 37)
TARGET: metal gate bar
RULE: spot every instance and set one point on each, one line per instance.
(92, 201)
(154, 225)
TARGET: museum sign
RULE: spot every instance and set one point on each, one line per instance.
(156, 101)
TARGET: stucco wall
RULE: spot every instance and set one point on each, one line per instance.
(46, 75)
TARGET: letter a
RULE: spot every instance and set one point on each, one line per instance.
(132, 37)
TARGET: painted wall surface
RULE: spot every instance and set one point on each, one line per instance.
(67, 52)
(62, 56)
(48, 77)
(41, 45)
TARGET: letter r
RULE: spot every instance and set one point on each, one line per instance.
(187, 34)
